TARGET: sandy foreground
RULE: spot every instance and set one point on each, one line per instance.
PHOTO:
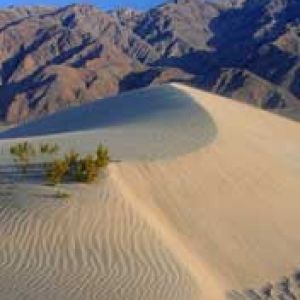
(203, 204)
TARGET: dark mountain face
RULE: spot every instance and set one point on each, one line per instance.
(52, 58)
(176, 28)
(247, 49)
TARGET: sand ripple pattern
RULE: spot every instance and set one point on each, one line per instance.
(82, 248)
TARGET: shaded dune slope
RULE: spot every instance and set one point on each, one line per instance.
(162, 121)
(218, 217)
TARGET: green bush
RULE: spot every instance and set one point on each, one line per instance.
(57, 171)
(72, 166)
(49, 149)
(103, 158)
(87, 169)
(22, 153)
(72, 158)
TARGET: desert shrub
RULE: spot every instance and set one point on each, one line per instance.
(87, 169)
(76, 168)
(57, 171)
(103, 158)
(72, 157)
(22, 153)
(49, 149)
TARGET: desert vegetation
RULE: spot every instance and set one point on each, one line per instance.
(102, 154)
(48, 149)
(72, 167)
(22, 154)
(79, 169)
(56, 171)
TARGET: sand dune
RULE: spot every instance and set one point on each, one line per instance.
(93, 247)
(214, 214)
(150, 123)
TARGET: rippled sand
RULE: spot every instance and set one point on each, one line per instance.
(215, 216)
(93, 246)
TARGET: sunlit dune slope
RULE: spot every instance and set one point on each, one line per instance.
(205, 200)
(234, 203)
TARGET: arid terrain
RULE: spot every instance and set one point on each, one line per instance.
(200, 201)
(55, 57)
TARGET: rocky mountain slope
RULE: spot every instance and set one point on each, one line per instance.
(52, 58)
(56, 57)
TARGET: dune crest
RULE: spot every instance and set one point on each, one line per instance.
(217, 215)
(152, 123)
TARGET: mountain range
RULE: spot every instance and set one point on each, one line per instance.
(52, 58)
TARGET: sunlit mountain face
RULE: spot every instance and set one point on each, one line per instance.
(55, 57)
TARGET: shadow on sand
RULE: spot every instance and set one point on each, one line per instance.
(32, 173)
(146, 124)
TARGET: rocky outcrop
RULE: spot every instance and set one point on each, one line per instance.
(52, 58)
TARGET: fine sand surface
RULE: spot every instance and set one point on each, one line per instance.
(151, 123)
(214, 216)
